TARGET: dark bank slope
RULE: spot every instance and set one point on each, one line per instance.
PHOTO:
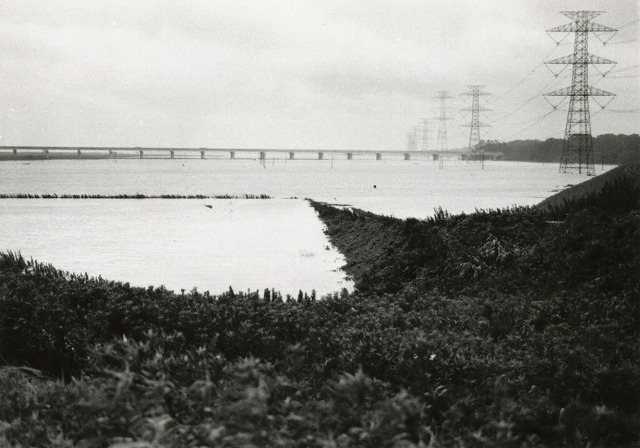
(587, 191)
(553, 247)
(501, 328)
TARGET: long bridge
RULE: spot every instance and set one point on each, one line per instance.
(231, 153)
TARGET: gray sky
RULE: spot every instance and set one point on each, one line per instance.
(294, 74)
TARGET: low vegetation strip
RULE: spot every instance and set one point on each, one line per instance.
(515, 327)
(130, 196)
(625, 176)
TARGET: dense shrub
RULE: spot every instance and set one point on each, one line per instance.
(500, 328)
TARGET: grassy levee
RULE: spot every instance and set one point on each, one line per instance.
(618, 185)
(508, 328)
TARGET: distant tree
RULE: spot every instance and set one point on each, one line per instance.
(607, 148)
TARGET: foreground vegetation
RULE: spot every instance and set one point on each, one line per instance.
(503, 328)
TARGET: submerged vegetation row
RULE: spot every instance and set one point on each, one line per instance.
(510, 328)
(130, 196)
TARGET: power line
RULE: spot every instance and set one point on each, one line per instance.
(530, 120)
(527, 101)
(623, 77)
(557, 81)
(527, 76)
(475, 124)
(577, 147)
(628, 24)
(618, 70)
(623, 111)
(628, 41)
(535, 121)
(532, 125)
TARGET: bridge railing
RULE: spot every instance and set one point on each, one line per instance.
(231, 153)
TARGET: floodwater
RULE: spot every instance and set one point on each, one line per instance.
(246, 244)
(393, 187)
(180, 243)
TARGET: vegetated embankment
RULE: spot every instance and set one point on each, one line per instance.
(586, 192)
(517, 327)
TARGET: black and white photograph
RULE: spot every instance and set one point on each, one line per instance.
(319, 223)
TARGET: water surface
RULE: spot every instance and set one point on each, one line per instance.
(246, 244)
(393, 187)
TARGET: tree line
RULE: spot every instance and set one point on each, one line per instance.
(610, 149)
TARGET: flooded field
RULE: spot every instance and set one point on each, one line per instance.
(246, 244)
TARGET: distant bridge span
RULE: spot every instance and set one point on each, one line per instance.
(232, 153)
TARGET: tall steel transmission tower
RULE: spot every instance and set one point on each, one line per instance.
(412, 140)
(425, 132)
(475, 124)
(443, 96)
(577, 148)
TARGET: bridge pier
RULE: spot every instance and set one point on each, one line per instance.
(320, 156)
(202, 154)
(45, 153)
(349, 156)
(263, 155)
(407, 156)
(292, 155)
(378, 156)
(15, 152)
(79, 153)
(232, 155)
(172, 153)
(110, 153)
(141, 153)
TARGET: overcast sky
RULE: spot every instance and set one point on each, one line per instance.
(295, 74)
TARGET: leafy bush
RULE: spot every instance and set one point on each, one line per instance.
(500, 328)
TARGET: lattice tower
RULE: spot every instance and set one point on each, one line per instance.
(425, 132)
(412, 142)
(577, 147)
(475, 124)
(443, 96)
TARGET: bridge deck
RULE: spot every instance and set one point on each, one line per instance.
(223, 150)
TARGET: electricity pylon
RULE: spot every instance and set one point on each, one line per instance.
(412, 141)
(577, 148)
(425, 145)
(443, 96)
(475, 124)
